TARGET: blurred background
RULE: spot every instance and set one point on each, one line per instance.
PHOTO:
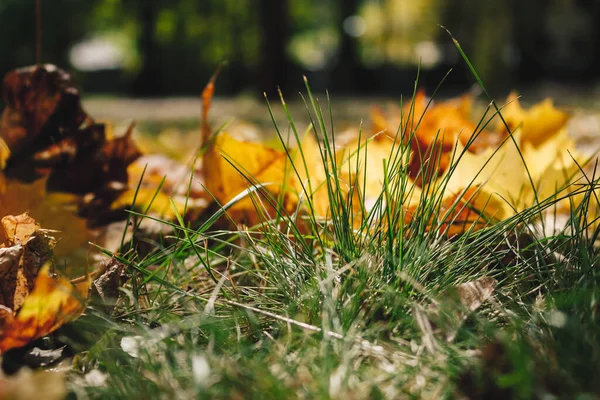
(158, 48)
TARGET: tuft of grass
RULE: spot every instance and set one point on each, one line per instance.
(307, 307)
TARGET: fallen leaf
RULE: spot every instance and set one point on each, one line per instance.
(538, 124)
(25, 250)
(17, 229)
(53, 302)
(42, 107)
(45, 133)
(56, 210)
(105, 289)
(171, 179)
(232, 166)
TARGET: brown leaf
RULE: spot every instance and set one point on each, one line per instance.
(105, 289)
(40, 100)
(48, 134)
(13, 289)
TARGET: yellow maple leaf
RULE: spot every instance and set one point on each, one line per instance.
(538, 124)
(232, 166)
(361, 162)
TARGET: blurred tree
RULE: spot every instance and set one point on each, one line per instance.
(358, 46)
(148, 81)
(347, 74)
(64, 23)
(274, 63)
(529, 39)
(483, 29)
(592, 9)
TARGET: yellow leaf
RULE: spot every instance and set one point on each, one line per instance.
(147, 199)
(4, 154)
(310, 180)
(538, 124)
(362, 163)
(55, 210)
(232, 166)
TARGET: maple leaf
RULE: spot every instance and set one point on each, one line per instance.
(519, 176)
(431, 129)
(45, 133)
(233, 166)
(507, 174)
(538, 124)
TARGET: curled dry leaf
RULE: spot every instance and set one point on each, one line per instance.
(42, 109)
(22, 253)
(105, 289)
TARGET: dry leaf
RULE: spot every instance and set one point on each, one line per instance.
(25, 249)
(17, 229)
(45, 133)
(42, 106)
(105, 289)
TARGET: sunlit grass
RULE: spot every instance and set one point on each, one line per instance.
(306, 306)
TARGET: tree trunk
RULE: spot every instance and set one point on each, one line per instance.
(148, 81)
(274, 65)
(347, 70)
(529, 37)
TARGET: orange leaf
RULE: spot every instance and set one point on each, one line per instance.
(53, 302)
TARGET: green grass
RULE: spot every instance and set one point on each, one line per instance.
(352, 306)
